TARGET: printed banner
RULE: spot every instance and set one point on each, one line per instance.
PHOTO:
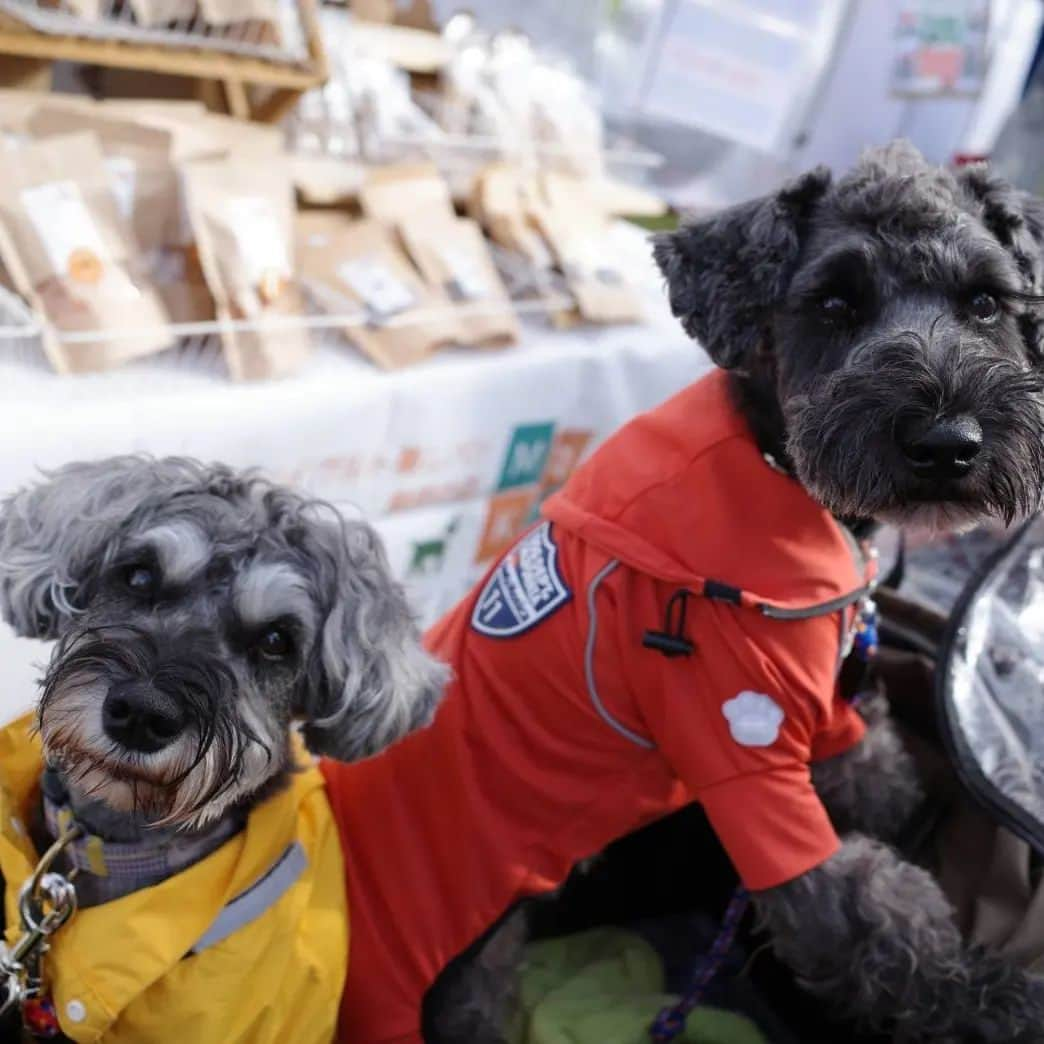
(941, 47)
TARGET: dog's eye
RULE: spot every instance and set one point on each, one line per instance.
(835, 309)
(275, 644)
(984, 307)
(141, 579)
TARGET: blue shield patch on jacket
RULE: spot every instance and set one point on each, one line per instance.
(524, 589)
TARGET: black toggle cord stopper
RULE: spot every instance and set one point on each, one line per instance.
(671, 641)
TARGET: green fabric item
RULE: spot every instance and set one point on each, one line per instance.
(606, 987)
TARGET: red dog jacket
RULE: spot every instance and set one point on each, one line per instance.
(568, 724)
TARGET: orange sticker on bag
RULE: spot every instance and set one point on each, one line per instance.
(85, 266)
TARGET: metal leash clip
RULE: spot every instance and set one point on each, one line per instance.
(46, 901)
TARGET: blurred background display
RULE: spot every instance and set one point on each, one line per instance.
(396, 251)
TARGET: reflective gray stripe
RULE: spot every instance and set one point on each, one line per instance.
(260, 896)
(592, 634)
(842, 641)
(823, 609)
(843, 602)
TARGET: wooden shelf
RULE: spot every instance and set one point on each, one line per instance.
(239, 74)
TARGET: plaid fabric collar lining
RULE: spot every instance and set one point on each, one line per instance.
(109, 870)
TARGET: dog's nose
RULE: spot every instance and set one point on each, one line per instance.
(946, 450)
(141, 717)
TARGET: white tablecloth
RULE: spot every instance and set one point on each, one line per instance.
(448, 459)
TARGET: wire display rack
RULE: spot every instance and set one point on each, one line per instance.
(285, 40)
(198, 346)
(282, 52)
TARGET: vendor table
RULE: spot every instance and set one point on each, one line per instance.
(449, 459)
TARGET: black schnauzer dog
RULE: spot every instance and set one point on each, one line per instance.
(883, 333)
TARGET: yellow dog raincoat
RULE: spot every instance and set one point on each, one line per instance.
(248, 945)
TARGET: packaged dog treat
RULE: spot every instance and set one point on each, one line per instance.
(138, 156)
(72, 255)
(356, 267)
(225, 12)
(88, 9)
(395, 193)
(17, 108)
(417, 14)
(242, 215)
(451, 253)
(501, 203)
(566, 122)
(374, 10)
(162, 12)
(578, 231)
(138, 160)
(323, 181)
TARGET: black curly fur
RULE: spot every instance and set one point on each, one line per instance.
(875, 938)
(906, 245)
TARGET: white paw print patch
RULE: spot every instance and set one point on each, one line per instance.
(754, 719)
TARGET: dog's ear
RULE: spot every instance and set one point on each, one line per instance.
(374, 681)
(1016, 219)
(726, 273)
(55, 537)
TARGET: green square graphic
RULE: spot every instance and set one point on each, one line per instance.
(526, 455)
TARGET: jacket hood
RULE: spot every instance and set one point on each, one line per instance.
(683, 494)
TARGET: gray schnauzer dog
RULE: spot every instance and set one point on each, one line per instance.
(883, 332)
(199, 613)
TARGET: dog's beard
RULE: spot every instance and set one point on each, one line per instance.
(841, 439)
(224, 755)
(934, 520)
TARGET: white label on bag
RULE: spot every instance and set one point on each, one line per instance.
(587, 259)
(381, 290)
(467, 278)
(123, 177)
(185, 233)
(259, 236)
(62, 222)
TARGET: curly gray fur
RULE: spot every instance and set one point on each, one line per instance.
(232, 553)
(872, 788)
(875, 938)
(477, 1001)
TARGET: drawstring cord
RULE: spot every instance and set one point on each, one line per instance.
(671, 641)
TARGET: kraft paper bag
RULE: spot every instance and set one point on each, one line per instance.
(71, 253)
(357, 268)
(242, 214)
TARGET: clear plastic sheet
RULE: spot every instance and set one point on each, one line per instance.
(991, 683)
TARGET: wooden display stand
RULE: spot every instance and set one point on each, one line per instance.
(246, 87)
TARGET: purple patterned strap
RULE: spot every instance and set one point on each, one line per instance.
(119, 868)
(671, 1021)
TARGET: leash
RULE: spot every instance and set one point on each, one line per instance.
(45, 902)
(671, 1020)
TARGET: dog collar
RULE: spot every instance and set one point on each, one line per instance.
(109, 870)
